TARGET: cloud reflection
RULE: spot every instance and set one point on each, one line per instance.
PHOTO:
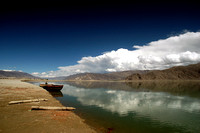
(123, 102)
(162, 107)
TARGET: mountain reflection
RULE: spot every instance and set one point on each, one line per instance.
(190, 88)
(124, 101)
(155, 101)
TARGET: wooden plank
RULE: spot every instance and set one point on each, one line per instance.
(52, 108)
(27, 101)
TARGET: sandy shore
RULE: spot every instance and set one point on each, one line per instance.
(19, 118)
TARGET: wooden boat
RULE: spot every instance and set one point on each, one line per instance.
(51, 87)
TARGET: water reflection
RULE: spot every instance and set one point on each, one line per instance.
(125, 101)
(190, 88)
(175, 104)
(56, 93)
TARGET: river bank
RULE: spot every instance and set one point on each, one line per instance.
(20, 118)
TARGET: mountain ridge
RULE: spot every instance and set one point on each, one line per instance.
(190, 72)
(15, 74)
(103, 76)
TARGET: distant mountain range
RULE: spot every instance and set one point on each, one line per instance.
(189, 72)
(15, 74)
(104, 76)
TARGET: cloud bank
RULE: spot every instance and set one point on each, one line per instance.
(183, 49)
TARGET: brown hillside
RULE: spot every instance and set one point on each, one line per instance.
(15, 74)
(190, 72)
(103, 76)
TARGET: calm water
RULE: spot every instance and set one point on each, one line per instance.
(135, 107)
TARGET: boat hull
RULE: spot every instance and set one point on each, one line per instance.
(51, 87)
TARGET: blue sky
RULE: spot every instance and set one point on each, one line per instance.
(42, 38)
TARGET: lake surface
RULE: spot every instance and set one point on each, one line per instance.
(135, 107)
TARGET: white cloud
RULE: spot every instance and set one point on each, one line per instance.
(35, 73)
(8, 70)
(183, 49)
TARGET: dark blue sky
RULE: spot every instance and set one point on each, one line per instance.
(38, 37)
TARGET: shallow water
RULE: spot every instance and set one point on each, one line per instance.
(146, 107)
